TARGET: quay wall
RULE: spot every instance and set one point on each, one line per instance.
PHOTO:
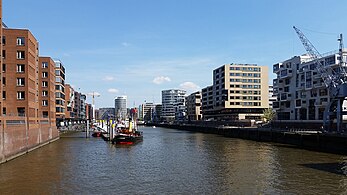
(325, 142)
(20, 138)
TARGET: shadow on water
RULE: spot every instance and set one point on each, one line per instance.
(336, 168)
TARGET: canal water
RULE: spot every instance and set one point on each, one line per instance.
(170, 161)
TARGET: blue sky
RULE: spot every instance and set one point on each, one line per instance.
(140, 47)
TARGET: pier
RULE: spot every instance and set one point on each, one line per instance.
(306, 139)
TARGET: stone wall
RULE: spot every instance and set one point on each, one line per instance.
(17, 137)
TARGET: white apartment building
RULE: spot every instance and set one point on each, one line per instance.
(120, 105)
(146, 111)
(239, 91)
(193, 103)
(173, 104)
(300, 90)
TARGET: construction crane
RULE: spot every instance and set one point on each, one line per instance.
(335, 79)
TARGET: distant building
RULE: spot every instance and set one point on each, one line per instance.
(147, 110)
(106, 113)
(193, 103)
(69, 102)
(60, 90)
(157, 112)
(89, 112)
(239, 91)
(121, 107)
(47, 89)
(173, 105)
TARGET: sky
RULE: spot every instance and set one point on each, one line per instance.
(138, 48)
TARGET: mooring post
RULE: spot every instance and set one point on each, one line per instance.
(87, 131)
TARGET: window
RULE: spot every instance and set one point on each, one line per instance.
(20, 81)
(21, 111)
(3, 53)
(44, 65)
(20, 95)
(44, 74)
(4, 68)
(44, 83)
(20, 68)
(4, 111)
(44, 102)
(45, 114)
(3, 40)
(20, 41)
(20, 54)
(44, 93)
(3, 80)
(3, 94)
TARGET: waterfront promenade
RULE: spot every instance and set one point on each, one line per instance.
(307, 139)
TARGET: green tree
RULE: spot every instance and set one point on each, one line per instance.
(268, 114)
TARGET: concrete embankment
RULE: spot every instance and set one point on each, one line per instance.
(326, 142)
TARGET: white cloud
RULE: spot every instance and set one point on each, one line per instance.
(190, 87)
(161, 79)
(108, 78)
(112, 90)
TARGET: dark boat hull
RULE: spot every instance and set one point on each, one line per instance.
(127, 139)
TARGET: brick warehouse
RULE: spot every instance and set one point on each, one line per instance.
(28, 98)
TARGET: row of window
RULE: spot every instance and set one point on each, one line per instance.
(20, 40)
(245, 80)
(246, 92)
(254, 69)
(246, 86)
(20, 54)
(246, 98)
(21, 69)
(246, 103)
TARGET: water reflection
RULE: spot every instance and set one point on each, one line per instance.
(171, 161)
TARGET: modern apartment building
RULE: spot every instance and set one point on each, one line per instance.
(193, 103)
(173, 105)
(146, 111)
(120, 105)
(300, 90)
(20, 74)
(47, 89)
(60, 89)
(69, 102)
(79, 106)
(239, 91)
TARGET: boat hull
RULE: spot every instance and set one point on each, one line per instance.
(127, 139)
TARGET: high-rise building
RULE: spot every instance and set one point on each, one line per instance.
(240, 91)
(300, 90)
(193, 103)
(173, 105)
(60, 90)
(120, 105)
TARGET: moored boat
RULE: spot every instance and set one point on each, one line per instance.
(128, 134)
